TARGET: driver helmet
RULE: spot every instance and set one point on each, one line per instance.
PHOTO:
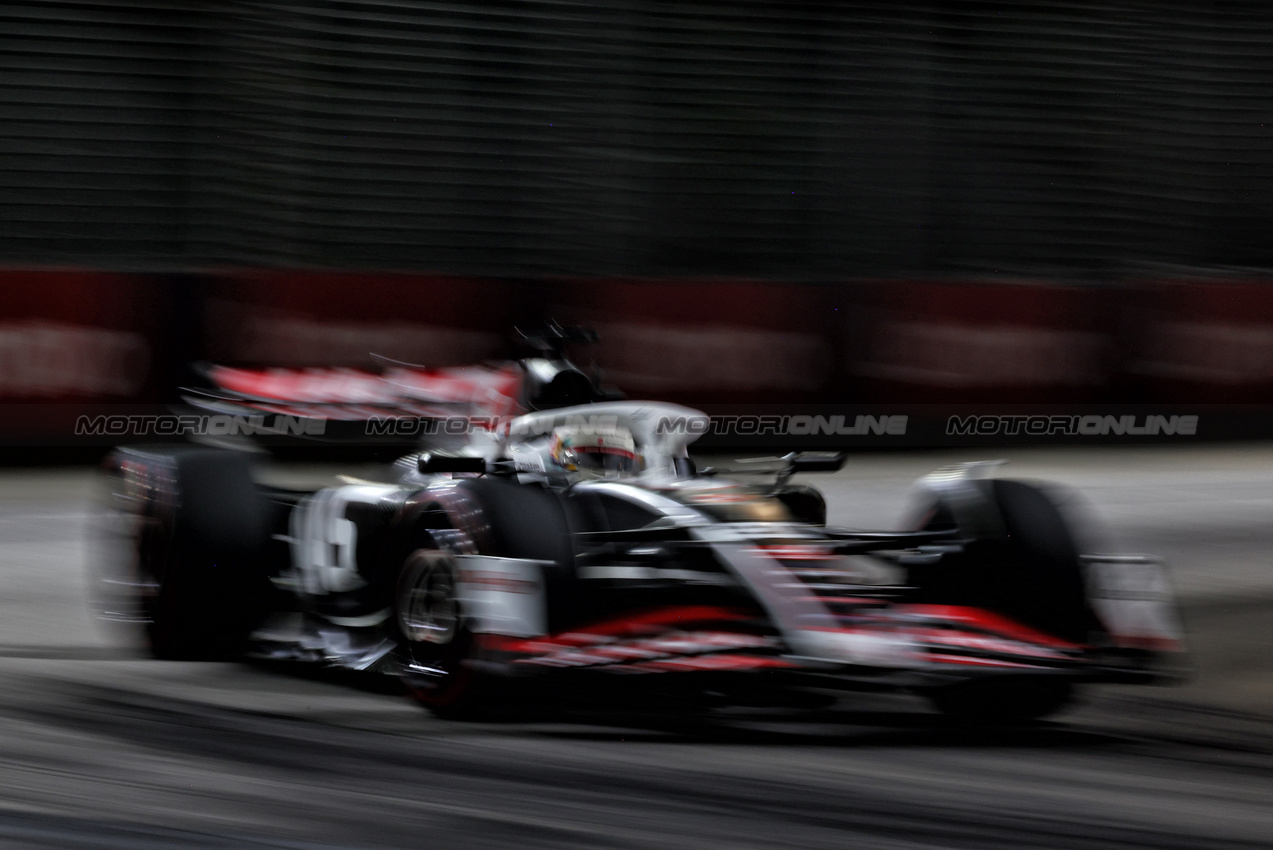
(607, 453)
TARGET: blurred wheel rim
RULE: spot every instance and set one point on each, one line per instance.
(431, 613)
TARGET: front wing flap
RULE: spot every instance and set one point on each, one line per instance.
(805, 623)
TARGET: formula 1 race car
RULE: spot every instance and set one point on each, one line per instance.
(579, 550)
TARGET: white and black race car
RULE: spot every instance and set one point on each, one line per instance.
(578, 550)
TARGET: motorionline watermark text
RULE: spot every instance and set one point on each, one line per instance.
(794, 425)
(761, 425)
(734, 425)
(1090, 425)
(199, 425)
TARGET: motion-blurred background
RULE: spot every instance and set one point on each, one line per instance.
(874, 202)
(874, 207)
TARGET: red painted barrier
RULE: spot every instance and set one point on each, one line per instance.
(1201, 341)
(72, 338)
(293, 318)
(77, 335)
(703, 342)
(978, 342)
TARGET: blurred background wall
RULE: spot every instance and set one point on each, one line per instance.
(796, 141)
(964, 201)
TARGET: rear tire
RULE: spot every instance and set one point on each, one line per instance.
(200, 557)
(442, 651)
(527, 521)
(499, 518)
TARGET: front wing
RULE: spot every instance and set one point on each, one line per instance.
(803, 623)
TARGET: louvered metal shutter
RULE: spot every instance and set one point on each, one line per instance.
(767, 139)
(95, 120)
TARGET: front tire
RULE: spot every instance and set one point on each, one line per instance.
(805, 504)
(1031, 574)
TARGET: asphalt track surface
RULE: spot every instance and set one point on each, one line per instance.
(103, 748)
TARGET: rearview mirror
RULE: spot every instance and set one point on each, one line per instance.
(818, 461)
(431, 463)
(810, 462)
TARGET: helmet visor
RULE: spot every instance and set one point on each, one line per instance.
(604, 460)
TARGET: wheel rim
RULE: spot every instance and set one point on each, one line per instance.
(431, 613)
